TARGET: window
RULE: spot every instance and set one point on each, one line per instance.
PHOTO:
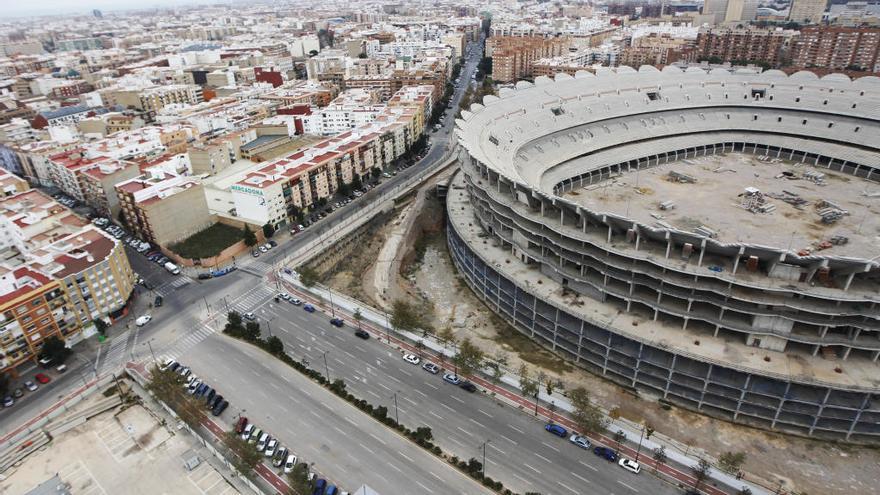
(804, 122)
(755, 117)
(778, 119)
(857, 129)
(830, 125)
(797, 100)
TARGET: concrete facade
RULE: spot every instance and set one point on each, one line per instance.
(746, 332)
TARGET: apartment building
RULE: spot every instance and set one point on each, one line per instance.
(513, 56)
(58, 273)
(274, 191)
(837, 48)
(97, 183)
(163, 208)
(743, 44)
(807, 11)
(656, 49)
(11, 184)
(208, 158)
(154, 98)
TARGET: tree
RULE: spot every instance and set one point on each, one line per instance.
(307, 275)
(446, 337)
(358, 316)
(420, 347)
(167, 386)
(4, 384)
(405, 316)
(586, 415)
(245, 456)
(528, 386)
(100, 325)
(701, 472)
(250, 239)
(344, 189)
(619, 436)
(376, 172)
(233, 319)
(275, 346)
(268, 230)
(356, 182)
(55, 350)
(298, 480)
(659, 456)
(423, 433)
(251, 331)
(497, 365)
(469, 358)
(731, 461)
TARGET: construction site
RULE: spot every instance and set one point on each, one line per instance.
(741, 198)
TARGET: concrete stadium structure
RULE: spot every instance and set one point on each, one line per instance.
(730, 323)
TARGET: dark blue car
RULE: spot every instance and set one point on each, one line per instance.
(319, 487)
(605, 452)
(308, 307)
(557, 430)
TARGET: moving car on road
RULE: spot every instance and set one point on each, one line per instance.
(431, 368)
(337, 322)
(143, 320)
(557, 430)
(362, 333)
(470, 387)
(309, 308)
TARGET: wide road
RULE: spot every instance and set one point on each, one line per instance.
(343, 443)
(519, 452)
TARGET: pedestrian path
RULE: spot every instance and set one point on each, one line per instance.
(187, 342)
(252, 299)
(111, 357)
(167, 288)
(255, 266)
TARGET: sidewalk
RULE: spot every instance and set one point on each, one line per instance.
(509, 391)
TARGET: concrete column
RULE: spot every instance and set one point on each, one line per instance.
(852, 426)
(821, 409)
(742, 395)
(669, 377)
(685, 324)
(609, 234)
(779, 407)
(846, 353)
(638, 238)
(717, 327)
(702, 252)
(849, 279)
(668, 244)
(823, 331)
(875, 356)
(690, 303)
(816, 349)
(657, 313)
(742, 250)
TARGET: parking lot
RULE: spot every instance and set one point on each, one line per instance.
(113, 453)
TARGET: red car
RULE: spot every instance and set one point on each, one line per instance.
(239, 427)
(40, 377)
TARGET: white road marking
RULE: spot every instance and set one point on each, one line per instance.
(514, 428)
(434, 475)
(456, 398)
(378, 439)
(432, 386)
(425, 487)
(477, 422)
(405, 456)
(496, 448)
(530, 467)
(395, 467)
(463, 431)
(539, 456)
(367, 448)
(407, 373)
(447, 407)
(579, 477)
(624, 484)
(452, 439)
(563, 485)
(549, 446)
(340, 431)
(432, 413)
(582, 463)
(350, 420)
(383, 386)
(527, 482)
(509, 440)
(484, 412)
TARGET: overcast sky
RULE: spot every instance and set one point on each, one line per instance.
(13, 8)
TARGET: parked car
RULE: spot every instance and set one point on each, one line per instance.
(8, 401)
(289, 463)
(412, 358)
(470, 387)
(31, 386)
(273, 243)
(17, 393)
(580, 440)
(320, 485)
(158, 302)
(606, 453)
(309, 308)
(40, 377)
(337, 322)
(362, 333)
(255, 253)
(451, 378)
(285, 296)
(631, 466)
(279, 457)
(213, 402)
(250, 316)
(261, 443)
(270, 448)
(557, 430)
(295, 301)
(241, 424)
(255, 435)
(247, 431)
(205, 276)
(431, 368)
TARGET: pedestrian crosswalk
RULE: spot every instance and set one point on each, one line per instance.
(188, 341)
(112, 356)
(255, 266)
(252, 299)
(165, 289)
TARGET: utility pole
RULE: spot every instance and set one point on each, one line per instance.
(396, 413)
(639, 450)
(332, 309)
(326, 368)
(151, 350)
(484, 457)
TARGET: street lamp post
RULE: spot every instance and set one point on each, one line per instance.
(332, 309)
(326, 368)
(150, 345)
(396, 413)
(639, 450)
(484, 457)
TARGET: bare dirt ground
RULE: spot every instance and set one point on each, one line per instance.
(428, 278)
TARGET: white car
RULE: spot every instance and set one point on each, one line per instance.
(143, 320)
(248, 430)
(263, 249)
(631, 466)
(270, 448)
(295, 301)
(288, 465)
(31, 386)
(412, 358)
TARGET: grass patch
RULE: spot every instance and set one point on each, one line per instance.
(527, 349)
(109, 392)
(209, 242)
